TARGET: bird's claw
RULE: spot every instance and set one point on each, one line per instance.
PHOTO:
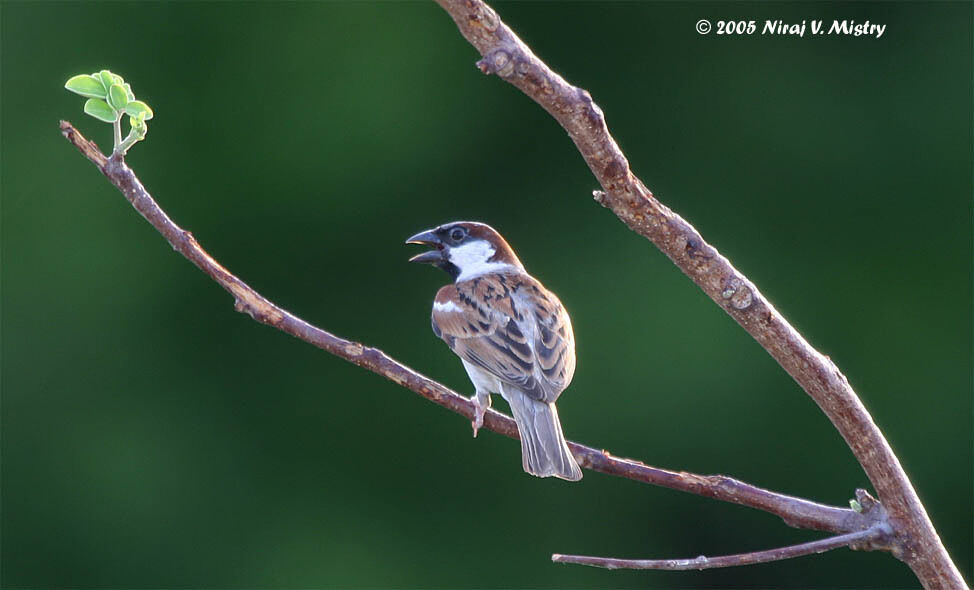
(481, 403)
(477, 422)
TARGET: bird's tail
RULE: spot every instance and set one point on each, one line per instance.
(544, 452)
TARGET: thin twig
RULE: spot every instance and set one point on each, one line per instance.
(796, 512)
(505, 55)
(117, 129)
(706, 563)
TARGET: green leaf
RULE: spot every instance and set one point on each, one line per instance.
(134, 108)
(86, 85)
(128, 92)
(106, 79)
(117, 79)
(137, 119)
(117, 97)
(100, 110)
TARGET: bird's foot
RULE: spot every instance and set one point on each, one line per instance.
(481, 402)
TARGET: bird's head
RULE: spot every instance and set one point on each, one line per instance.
(465, 249)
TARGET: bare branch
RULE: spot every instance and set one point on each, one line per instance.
(504, 54)
(796, 512)
(706, 563)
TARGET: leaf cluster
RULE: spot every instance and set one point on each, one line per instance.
(109, 98)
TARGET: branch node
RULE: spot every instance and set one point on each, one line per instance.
(738, 293)
(498, 61)
(116, 162)
(866, 500)
(730, 286)
(600, 197)
(886, 538)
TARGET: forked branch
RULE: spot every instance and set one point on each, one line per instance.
(505, 55)
(796, 512)
(905, 530)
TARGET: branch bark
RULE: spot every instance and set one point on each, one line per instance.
(915, 540)
(796, 512)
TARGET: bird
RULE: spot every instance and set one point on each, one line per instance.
(512, 334)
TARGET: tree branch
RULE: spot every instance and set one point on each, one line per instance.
(796, 512)
(504, 54)
(706, 563)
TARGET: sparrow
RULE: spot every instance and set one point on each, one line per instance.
(513, 336)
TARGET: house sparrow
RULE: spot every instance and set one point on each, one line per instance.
(513, 336)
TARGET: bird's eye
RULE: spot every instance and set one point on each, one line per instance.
(456, 234)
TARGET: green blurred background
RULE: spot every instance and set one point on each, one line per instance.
(151, 437)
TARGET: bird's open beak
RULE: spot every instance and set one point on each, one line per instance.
(427, 238)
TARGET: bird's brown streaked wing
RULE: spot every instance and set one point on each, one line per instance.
(554, 345)
(483, 334)
(489, 321)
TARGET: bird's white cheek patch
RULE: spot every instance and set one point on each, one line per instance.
(472, 260)
(478, 252)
